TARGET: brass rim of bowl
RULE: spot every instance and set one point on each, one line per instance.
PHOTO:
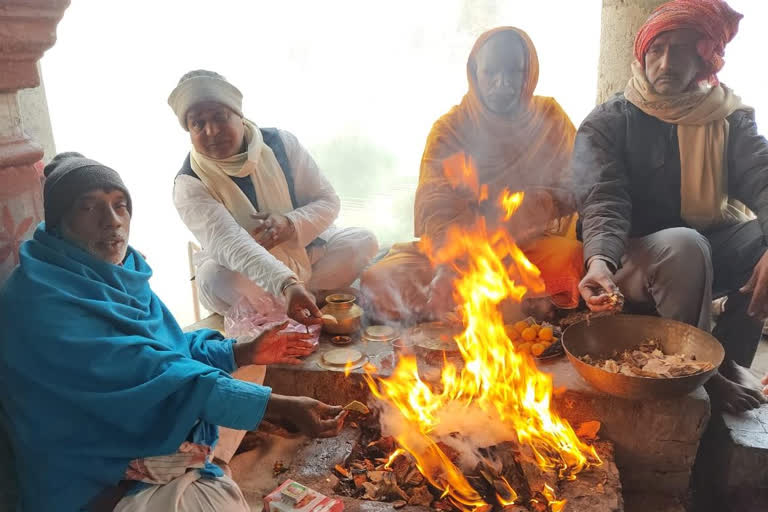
(340, 298)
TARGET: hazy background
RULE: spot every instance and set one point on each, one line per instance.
(358, 82)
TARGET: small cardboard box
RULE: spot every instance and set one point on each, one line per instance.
(291, 496)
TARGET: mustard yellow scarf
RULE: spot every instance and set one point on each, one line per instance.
(702, 133)
(272, 193)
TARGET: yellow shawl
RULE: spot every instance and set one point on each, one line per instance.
(702, 133)
(272, 192)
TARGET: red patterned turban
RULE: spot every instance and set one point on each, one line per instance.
(713, 19)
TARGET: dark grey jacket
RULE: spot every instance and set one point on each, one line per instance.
(626, 169)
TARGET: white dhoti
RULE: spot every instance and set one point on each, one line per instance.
(187, 493)
(190, 492)
(335, 265)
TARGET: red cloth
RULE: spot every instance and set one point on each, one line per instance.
(713, 19)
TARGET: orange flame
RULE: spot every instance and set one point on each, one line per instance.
(395, 454)
(510, 203)
(496, 380)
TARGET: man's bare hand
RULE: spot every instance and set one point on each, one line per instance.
(301, 305)
(272, 229)
(758, 287)
(597, 286)
(765, 383)
(274, 347)
(307, 415)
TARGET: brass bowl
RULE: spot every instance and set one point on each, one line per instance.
(606, 335)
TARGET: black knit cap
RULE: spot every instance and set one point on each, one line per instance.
(68, 176)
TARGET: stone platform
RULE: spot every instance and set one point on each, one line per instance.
(732, 469)
(311, 461)
(655, 441)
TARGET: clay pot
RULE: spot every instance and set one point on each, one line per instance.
(342, 307)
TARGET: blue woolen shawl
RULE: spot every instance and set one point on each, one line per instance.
(95, 372)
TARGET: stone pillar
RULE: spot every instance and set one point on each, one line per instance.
(28, 29)
(35, 117)
(621, 20)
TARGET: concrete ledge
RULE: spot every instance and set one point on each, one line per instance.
(732, 469)
(656, 441)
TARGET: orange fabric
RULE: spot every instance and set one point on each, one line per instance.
(528, 151)
(713, 19)
(396, 288)
(561, 263)
(472, 154)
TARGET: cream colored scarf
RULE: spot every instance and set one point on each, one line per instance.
(702, 133)
(272, 193)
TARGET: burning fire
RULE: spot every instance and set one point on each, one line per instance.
(495, 380)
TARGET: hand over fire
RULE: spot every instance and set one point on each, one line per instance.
(307, 415)
(274, 347)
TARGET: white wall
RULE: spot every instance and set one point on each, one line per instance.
(359, 82)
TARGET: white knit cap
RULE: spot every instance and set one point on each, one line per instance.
(201, 88)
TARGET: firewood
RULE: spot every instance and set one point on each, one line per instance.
(449, 452)
(401, 467)
(399, 504)
(375, 476)
(421, 497)
(382, 447)
(341, 470)
(413, 478)
(390, 489)
(445, 505)
(514, 508)
(371, 491)
(539, 504)
(359, 480)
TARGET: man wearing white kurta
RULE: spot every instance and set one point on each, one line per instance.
(259, 206)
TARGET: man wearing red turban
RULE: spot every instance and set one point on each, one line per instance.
(663, 171)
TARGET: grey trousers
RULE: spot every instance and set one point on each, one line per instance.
(678, 271)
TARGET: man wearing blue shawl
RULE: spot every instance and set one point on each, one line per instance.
(108, 404)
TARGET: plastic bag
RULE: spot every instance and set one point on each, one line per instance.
(250, 318)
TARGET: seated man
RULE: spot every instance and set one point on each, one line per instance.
(108, 404)
(658, 168)
(505, 138)
(257, 203)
